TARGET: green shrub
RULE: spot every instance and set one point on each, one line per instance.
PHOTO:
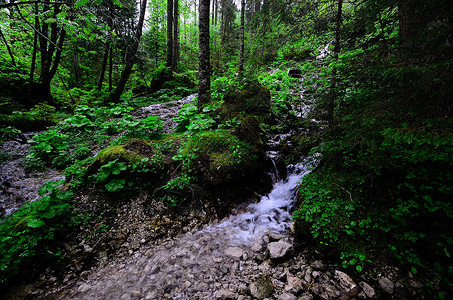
(27, 235)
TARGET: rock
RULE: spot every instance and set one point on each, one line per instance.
(294, 284)
(287, 296)
(256, 247)
(345, 282)
(83, 288)
(261, 287)
(295, 73)
(234, 252)
(274, 236)
(306, 297)
(278, 249)
(225, 294)
(368, 290)
(317, 264)
(387, 285)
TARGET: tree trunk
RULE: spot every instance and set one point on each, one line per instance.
(241, 45)
(204, 68)
(131, 55)
(35, 45)
(13, 61)
(175, 36)
(111, 67)
(104, 64)
(336, 51)
(169, 33)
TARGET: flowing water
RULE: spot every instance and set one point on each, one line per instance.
(201, 265)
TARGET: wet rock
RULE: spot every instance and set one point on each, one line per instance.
(368, 290)
(287, 296)
(346, 283)
(234, 252)
(261, 287)
(387, 285)
(278, 249)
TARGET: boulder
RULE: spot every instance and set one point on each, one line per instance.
(278, 249)
(368, 290)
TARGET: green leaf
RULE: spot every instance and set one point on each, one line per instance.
(414, 270)
(35, 223)
(49, 214)
(115, 185)
(447, 253)
(358, 268)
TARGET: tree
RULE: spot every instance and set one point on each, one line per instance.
(130, 60)
(241, 46)
(175, 58)
(169, 33)
(204, 65)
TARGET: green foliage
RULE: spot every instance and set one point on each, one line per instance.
(39, 117)
(27, 236)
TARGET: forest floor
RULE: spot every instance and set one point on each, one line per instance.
(151, 251)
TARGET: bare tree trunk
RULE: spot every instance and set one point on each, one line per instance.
(204, 68)
(175, 36)
(241, 45)
(169, 33)
(131, 54)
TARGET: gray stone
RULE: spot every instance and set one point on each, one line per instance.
(256, 247)
(368, 290)
(278, 249)
(234, 252)
(294, 284)
(306, 297)
(317, 264)
(387, 285)
(261, 287)
(287, 296)
(83, 288)
(345, 282)
(225, 294)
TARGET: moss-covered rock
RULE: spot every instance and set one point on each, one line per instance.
(221, 157)
(252, 100)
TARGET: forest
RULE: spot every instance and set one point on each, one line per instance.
(128, 124)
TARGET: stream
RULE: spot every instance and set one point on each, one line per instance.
(208, 264)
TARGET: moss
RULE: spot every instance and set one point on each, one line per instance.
(133, 151)
(221, 156)
(253, 100)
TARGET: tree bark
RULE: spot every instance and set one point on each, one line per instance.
(175, 36)
(131, 54)
(104, 65)
(336, 51)
(241, 45)
(169, 33)
(35, 45)
(204, 68)
(13, 61)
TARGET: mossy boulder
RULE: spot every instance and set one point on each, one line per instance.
(251, 106)
(254, 99)
(221, 158)
(141, 158)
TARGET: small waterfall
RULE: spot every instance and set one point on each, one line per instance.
(271, 213)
